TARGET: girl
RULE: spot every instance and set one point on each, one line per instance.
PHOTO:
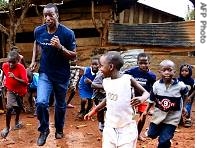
(185, 75)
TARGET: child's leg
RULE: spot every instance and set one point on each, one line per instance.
(30, 98)
(140, 125)
(83, 103)
(5, 131)
(100, 117)
(18, 111)
(72, 94)
(89, 106)
(1, 102)
(166, 134)
(8, 117)
(153, 131)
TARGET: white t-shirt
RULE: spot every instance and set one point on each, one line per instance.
(118, 96)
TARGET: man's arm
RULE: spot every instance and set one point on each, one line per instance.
(55, 42)
(36, 49)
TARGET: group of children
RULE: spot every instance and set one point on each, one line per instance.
(170, 97)
(119, 94)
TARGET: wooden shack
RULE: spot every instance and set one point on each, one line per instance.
(91, 22)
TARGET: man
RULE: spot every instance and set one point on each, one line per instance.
(57, 45)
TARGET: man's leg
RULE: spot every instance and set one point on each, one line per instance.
(44, 90)
(60, 91)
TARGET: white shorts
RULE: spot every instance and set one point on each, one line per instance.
(125, 137)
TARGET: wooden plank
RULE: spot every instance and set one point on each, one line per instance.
(94, 41)
(79, 24)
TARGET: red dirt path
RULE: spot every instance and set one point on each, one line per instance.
(88, 136)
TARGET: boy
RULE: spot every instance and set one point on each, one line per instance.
(33, 78)
(120, 128)
(85, 90)
(145, 78)
(168, 94)
(75, 75)
(98, 95)
(16, 82)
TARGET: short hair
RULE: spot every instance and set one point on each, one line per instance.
(51, 5)
(13, 54)
(115, 58)
(143, 54)
(167, 62)
(15, 48)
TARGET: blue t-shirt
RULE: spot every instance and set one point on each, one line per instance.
(34, 82)
(52, 61)
(85, 89)
(145, 79)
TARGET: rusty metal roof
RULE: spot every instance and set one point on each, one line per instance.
(158, 34)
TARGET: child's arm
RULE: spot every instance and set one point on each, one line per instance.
(100, 106)
(145, 113)
(138, 99)
(97, 86)
(16, 78)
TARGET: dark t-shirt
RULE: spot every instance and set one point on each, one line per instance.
(145, 79)
(52, 61)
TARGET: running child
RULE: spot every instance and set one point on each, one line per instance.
(98, 95)
(85, 90)
(146, 78)
(168, 94)
(74, 78)
(185, 75)
(120, 128)
(16, 82)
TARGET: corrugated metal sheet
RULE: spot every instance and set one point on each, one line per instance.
(157, 34)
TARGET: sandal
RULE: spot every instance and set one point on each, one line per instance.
(4, 132)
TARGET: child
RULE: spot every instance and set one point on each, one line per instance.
(145, 78)
(98, 95)
(16, 82)
(33, 78)
(85, 90)
(73, 83)
(185, 75)
(120, 128)
(167, 95)
(1, 91)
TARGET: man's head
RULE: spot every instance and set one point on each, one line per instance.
(51, 15)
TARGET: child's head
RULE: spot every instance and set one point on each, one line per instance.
(167, 70)
(110, 62)
(143, 60)
(94, 64)
(13, 58)
(185, 71)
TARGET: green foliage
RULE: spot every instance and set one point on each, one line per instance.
(190, 15)
(3, 4)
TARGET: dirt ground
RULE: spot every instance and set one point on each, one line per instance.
(87, 136)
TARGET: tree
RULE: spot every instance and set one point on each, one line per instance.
(15, 18)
